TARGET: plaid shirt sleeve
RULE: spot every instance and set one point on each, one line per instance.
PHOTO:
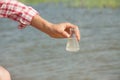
(17, 11)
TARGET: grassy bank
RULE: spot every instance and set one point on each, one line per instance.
(96, 3)
(39, 1)
(81, 3)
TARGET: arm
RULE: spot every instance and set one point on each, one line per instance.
(17, 11)
(60, 30)
(26, 15)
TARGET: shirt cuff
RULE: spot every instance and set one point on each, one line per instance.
(17, 11)
(26, 17)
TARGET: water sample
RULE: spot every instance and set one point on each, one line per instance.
(72, 43)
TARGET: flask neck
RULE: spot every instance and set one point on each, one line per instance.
(72, 32)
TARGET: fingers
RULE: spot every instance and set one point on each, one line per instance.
(76, 28)
(65, 34)
(62, 30)
(69, 25)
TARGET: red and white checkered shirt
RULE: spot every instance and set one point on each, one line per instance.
(17, 11)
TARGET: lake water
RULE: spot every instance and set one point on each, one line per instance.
(29, 54)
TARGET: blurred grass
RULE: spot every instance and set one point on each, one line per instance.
(96, 3)
(39, 1)
(80, 3)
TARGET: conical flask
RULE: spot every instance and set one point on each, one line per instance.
(72, 43)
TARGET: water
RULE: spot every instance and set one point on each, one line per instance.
(31, 55)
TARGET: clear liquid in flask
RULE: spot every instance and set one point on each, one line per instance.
(72, 43)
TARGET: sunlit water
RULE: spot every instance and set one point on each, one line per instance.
(32, 55)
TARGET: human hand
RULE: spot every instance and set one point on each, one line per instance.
(62, 30)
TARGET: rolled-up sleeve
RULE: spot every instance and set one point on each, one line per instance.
(17, 11)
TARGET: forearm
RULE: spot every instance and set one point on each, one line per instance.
(40, 23)
(60, 30)
(26, 15)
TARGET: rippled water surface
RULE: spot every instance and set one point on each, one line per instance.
(31, 55)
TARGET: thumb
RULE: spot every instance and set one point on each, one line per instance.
(65, 34)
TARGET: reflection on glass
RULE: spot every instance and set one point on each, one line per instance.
(72, 43)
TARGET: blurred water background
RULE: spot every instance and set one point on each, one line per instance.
(29, 54)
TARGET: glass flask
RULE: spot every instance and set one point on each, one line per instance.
(72, 43)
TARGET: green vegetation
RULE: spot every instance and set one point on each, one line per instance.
(39, 1)
(81, 3)
(96, 3)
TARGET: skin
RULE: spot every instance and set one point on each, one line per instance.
(4, 74)
(61, 30)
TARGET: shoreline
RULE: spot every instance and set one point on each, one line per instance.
(79, 3)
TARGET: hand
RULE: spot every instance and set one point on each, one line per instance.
(62, 30)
